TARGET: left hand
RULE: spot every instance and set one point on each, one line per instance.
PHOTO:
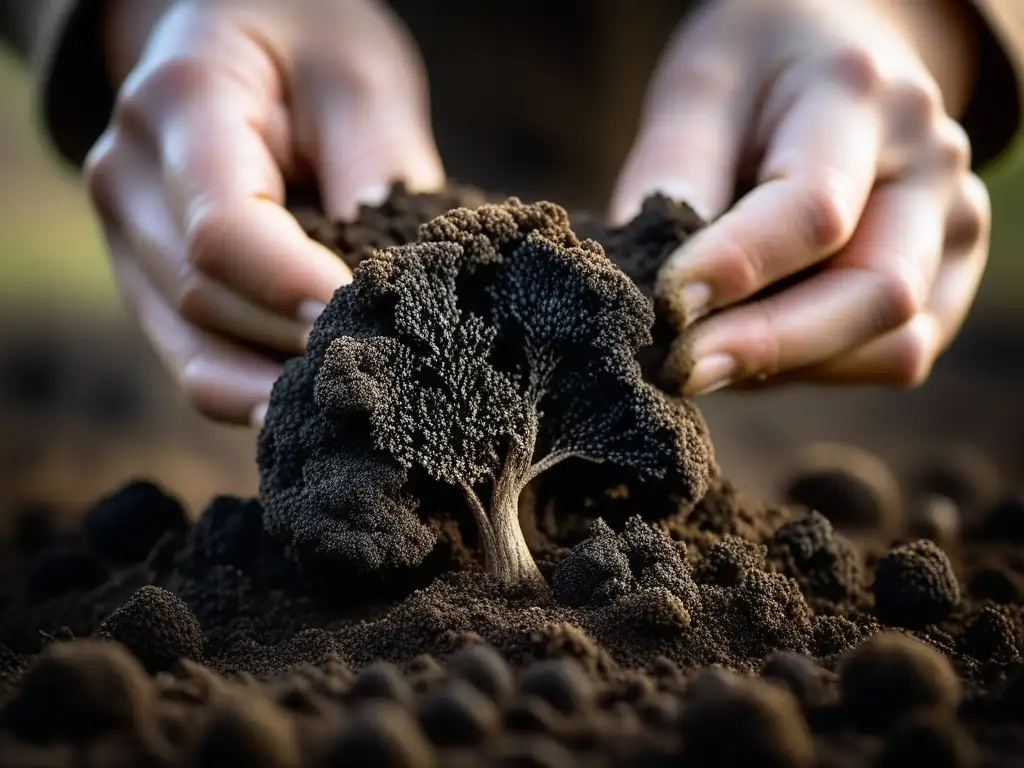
(838, 117)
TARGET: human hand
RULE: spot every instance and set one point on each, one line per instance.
(834, 119)
(229, 100)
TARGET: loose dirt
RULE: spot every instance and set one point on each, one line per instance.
(872, 620)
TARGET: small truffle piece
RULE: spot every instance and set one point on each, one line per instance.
(61, 570)
(381, 734)
(77, 691)
(124, 526)
(849, 486)
(246, 730)
(745, 722)
(485, 669)
(915, 585)
(891, 676)
(381, 680)
(823, 562)
(458, 715)
(560, 682)
(990, 637)
(157, 627)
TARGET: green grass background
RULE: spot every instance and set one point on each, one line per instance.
(50, 248)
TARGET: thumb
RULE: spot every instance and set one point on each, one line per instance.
(691, 135)
(359, 141)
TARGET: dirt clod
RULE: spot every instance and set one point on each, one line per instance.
(157, 627)
(892, 676)
(78, 690)
(915, 585)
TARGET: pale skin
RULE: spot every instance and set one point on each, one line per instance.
(813, 133)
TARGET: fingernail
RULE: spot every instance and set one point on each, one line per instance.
(711, 374)
(373, 195)
(259, 415)
(309, 310)
(696, 299)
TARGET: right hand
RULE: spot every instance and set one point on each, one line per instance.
(228, 101)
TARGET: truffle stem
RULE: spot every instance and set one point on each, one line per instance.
(506, 555)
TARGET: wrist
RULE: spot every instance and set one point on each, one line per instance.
(945, 34)
(125, 26)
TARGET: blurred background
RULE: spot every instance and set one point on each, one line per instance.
(86, 406)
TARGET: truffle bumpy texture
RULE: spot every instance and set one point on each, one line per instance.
(490, 350)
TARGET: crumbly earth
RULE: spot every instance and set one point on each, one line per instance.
(735, 633)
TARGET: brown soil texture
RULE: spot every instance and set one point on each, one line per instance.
(872, 620)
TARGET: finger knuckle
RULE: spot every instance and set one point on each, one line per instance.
(897, 301)
(970, 220)
(977, 207)
(951, 147)
(206, 237)
(857, 69)
(189, 299)
(738, 271)
(196, 390)
(827, 222)
(101, 169)
(917, 102)
(914, 359)
(154, 88)
(760, 351)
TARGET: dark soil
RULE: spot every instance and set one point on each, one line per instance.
(884, 628)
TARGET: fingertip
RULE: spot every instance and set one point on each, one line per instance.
(259, 415)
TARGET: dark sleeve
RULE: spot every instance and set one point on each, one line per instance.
(60, 41)
(994, 114)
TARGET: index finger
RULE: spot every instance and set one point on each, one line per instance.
(814, 181)
(227, 191)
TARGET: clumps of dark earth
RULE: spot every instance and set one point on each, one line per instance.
(489, 533)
